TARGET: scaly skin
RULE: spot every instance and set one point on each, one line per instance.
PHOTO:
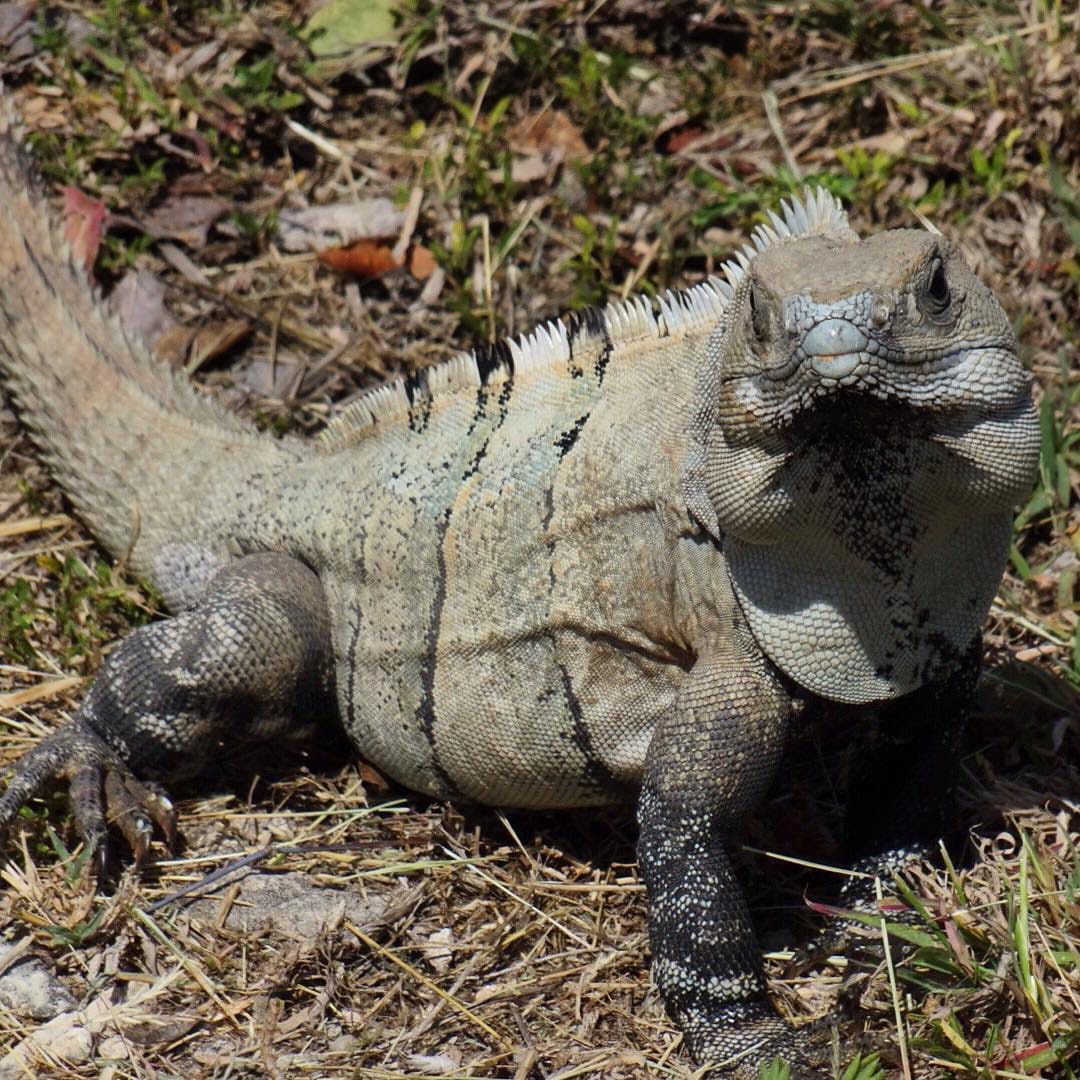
(594, 561)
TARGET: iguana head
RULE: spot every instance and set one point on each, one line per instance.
(867, 428)
(898, 316)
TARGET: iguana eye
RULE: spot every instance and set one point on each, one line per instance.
(937, 288)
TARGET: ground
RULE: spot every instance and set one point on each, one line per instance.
(538, 157)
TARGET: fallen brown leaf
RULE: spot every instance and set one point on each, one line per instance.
(551, 133)
(421, 262)
(84, 225)
(364, 259)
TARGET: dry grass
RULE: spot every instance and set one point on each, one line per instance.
(460, 942)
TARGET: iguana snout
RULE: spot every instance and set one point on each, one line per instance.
(834, 348)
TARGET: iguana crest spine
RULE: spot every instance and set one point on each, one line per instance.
(670, 315)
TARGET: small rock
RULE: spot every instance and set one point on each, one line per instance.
(290, 903)
(438, 953)
(29, 989)
(343, 1044)
(316, 228)
(62, 1037)
(434, 1064)
(114, 1048)
(215, 1052)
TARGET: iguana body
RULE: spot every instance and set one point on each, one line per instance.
(603, 558)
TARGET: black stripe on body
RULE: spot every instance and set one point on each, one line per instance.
(503, 403)
(420, 398)
(426, 714)
(491, 357)
(481, 409)
(351, 697)
(581, 737)
(350, 682)
(595, 769)
(603, 359)
(590, 323)
(567, 439)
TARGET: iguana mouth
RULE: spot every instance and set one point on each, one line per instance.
(841, 355)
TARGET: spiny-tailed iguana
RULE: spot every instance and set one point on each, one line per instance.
(604, 560)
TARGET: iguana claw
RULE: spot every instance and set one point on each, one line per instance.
(103, 791)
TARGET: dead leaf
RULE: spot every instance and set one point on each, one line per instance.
(524, 170)
(421, 262)
(171, 346)
(17, 31)
(890, 142)
(317, 228)
(373, 258)
(13, 20)
(159, 1030)
(340, 31)
(186, 218)
(271, 377)
(364, 259)
(373, 780)
(438, 952)
(551, 133)
(139, 301)
(84, 225)
(214, 339)
(677, 139)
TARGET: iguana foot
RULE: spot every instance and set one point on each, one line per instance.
(856, 938)
(747, 1037)
(103, 791)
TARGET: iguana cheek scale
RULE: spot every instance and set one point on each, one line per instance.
(591, 564)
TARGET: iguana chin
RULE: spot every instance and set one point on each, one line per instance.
(600, 561)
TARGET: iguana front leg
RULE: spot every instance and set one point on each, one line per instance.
(708, 766)
(901, 796)
(902, 793)
(254, 651)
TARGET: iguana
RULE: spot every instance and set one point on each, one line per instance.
(605, 560)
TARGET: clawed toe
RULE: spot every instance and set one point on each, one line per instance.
(103, 791)
(135, 808)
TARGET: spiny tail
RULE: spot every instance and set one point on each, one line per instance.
(136, 449)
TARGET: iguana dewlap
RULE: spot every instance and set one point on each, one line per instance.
(595, 563)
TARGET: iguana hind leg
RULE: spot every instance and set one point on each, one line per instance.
(255, 651)
(709, 765)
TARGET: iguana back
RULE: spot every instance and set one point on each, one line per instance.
(466, 573)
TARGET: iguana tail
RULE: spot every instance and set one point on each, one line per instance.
(137, 450)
